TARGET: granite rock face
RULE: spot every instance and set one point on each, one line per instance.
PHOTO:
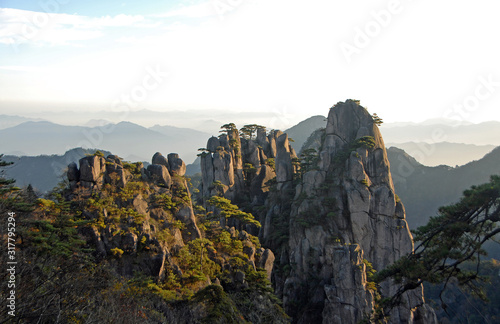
(159, 174)
(92, 169)
(176, 164)
(344, 212)
(235, 165)
(330, 224)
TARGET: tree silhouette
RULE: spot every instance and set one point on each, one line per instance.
(247, 131)
(227, 128)
(449, 240)
(377, 120)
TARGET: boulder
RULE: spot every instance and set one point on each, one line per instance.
(115, 173)
(160, 175)
(176, 165)
(212, 144)
(92, 169)
(159, 159)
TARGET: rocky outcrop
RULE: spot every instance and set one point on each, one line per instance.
(115, 173)
(95, 171)
(92, 170)
(240, 166)
(266, 262)
(159, 159)
(346, 212)
(176, 165)
(159, 174)
(328, 231)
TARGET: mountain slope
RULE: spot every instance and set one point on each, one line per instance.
(423, 189)
(487, 133)
(7, 121)
(302, 130)
(444, 153)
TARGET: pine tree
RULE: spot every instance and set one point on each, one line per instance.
(377, 120)
(10, 198)
(449, 240)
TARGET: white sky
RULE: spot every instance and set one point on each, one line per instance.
(283, 56)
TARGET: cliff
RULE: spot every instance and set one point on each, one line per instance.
(345, 217)
(332, 217)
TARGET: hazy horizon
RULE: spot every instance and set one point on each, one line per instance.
(406, 61)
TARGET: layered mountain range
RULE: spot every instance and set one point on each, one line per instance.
(325, 220)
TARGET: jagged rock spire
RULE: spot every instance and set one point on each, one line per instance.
(345, 216)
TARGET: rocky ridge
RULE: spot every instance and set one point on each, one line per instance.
(238, 164)
(329, 221)
(143, 221)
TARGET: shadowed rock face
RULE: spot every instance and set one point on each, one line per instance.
(347, 212)
(241, 165)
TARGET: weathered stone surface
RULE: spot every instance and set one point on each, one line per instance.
(176, 165)
(114, 159)
(267, 262)
(129, 242)
(224, 142)
(92, 169)
(260, 184)
(347, 298)
(73, 173)
(160, 175)
(283, 161)
(350, 200)
(212, 144)
(272, 146)
(159, 159)
(252, 155)
(230, 164)
(207, 173)
(115, 173)
(223, 169)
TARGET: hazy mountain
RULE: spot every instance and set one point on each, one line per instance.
(43, 172)
(7, 121)
(423, 189)
(97, 123)
(302, 130)
(428, 122)
(487, 133)
(444, 153)
(128, 140)
(205, 120)
(36, 138)
(177, 133)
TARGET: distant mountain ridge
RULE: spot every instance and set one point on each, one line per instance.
(487, 133)
(455, 145)
(7, 121)
(43, 172)
(300, 132)
(444, 153)
(423, 189)
(124, 139)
